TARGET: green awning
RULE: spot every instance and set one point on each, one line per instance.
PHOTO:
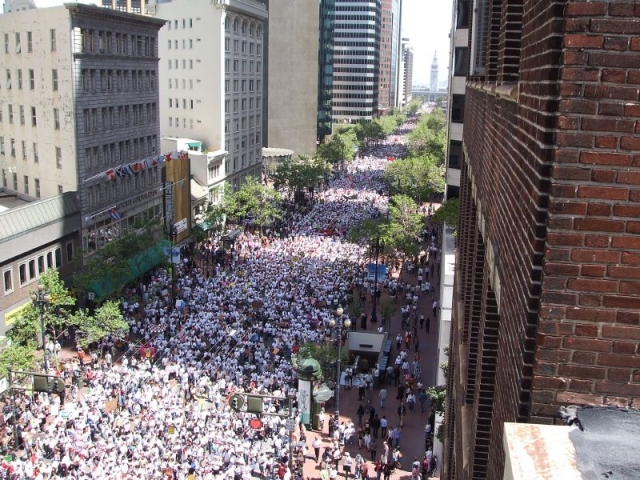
(194, 144)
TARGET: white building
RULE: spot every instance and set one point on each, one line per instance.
(78, 99)
(211, 82)
(406, 74)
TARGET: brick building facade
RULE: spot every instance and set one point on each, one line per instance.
(547, 292)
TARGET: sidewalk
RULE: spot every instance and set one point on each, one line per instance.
(412, 442)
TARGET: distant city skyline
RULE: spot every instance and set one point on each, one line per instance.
(427, 24)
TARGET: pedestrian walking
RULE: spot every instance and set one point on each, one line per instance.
(383, 396)
(402, 411)
(316, 448)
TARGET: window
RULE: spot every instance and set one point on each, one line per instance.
(22, 273)
(41, 268)
(56, 119)
(18, 47)
(457, 108)
(2, 149)
(33, 117)
(36, 183)
(460, 61)
(58, 257)
(32, 269)
(53, 39)
(32, 80)
(58, 157)
(8, 82)
(21, 110)
(60, 190)
(26, 185)
(69, 252)
(29, 42)
(6, 43)
(54, 79)
(35, 153)
(462, 14)
(7, 276)
(455, 153)
(50, 260)
(19, 79)
(24, 150)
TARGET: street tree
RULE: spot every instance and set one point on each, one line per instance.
(300, 175)
(107, 320)
(447, 213)
(417, 177)
(16, 357)
(253, 200)
(27, 329)
(429, 138)
(338, 148)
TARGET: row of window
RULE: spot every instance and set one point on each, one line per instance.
(352, 95)
(121, 187)
(249, 67)
(349, 18)
(354, 113)
(353, 79)
(176, 121)
(22, 112)
(353, 104)
(186, 43)
(109, 118)
(366, 70)
(176, 64)
(242, 48)
(242, 161)
(241, 85)
(243, 26)
(173, 83)
(31, 80)
(98, 41)
(119, 152)
(118, 80)
(370, 35)
(237, 124)
(5, 183)
(186, 103)
(17, 47)
(30, 270)
(184, 23)
(368, 87)
(242, 103)
(25, 152)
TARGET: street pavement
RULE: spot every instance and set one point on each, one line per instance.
(412, 442)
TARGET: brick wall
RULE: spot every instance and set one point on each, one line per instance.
(590, 314)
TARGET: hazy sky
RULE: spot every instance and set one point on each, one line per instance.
(427, 23)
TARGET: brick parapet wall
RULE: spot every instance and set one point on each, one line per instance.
(589, 329)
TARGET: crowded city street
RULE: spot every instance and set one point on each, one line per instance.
(159, 406)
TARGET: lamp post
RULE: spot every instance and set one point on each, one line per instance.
(173, 235)
(378, 248)
(346, 324)
(41, 298)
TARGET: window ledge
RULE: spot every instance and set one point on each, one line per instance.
(505, 91)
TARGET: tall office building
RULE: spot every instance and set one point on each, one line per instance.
(405, 87)
(211, 72)
(356, 60)
(396, 50)
(386, 48)
(79, 98)
(546, 305)
(291, 75)
(457, 76)
(325, 67)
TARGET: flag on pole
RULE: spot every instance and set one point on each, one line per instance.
(115, 215)
(111, 174)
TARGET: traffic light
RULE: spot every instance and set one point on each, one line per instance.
(236, 402)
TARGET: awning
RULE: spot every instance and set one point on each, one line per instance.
(194, 144)
(198, 192)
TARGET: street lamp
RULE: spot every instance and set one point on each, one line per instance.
(173, 235)
(41, 298)
(378, 248)
(346, 323)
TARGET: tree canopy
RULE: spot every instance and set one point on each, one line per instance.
(447, 213)
(253, 200)
(299, 175)
(106, 320)
(429, 138)
(417, 177)
(339, 147)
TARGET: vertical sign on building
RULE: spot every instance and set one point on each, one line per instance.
(304, 400)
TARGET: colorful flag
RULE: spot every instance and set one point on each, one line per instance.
(167, 157)
(115, 214)
(127, 170)
(111, 174)
(120, 172)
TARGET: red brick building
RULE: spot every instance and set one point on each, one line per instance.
(547, 292)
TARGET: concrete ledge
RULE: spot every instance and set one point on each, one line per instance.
(505, 91)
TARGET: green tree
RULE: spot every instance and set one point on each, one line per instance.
(300, 175)
(412, 107)
(417, 177)
(260, 202)
(437, 396)
(338, 148)
(447, 213)
(325, 353)
(27, 329)
(106, 320)
(429, 137)
(16, 357)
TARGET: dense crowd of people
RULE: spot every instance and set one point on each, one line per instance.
(160, 409)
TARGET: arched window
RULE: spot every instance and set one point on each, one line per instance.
(227, 23)
(252, 29)
(259, 32)
(244, 26)
(236, 24)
